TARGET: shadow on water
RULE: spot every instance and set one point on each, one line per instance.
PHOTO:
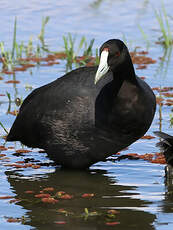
(107, 195)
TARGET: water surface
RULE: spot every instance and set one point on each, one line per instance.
(136, 189)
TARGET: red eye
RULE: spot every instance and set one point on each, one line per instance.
(117, 54)
(106, 49)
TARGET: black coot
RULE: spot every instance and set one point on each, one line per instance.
(86, 116)
(166, 145)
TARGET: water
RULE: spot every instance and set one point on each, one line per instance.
(137, 189)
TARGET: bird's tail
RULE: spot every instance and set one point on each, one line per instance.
(166, 145)
(167, 140)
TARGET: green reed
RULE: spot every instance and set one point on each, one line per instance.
(72, 51)
(162, 18)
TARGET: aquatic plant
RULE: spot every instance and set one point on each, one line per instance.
(6, 57)
(162, 18)
(6, 131)
(41, 36)
(14, 39)
(72, 54)
(20, 52)
(171, 119)
(22, 55)
(145, 36)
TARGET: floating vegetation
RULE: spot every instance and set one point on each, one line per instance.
(19, 58)
(157, 158)
(141, 59)
(23, 56)
(21, 220)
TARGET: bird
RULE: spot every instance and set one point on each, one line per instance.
(166, 145)
(89, 113)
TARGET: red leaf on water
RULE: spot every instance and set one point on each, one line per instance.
(112, 223)
(49, 200)
(6, 197)
(36, 166)
(2, 148)
(88, 195)
(60, 55)
(159, 100)
(12, 81)
(156, 88)
(168, 94)
(19, 166)
(13, 220)
(27, 165)
(165, 89)
(10, 147)
(48, 189)
(60, 222)
(28, 65)
(42, 195)
(20, 162)
(29, 192)
(159, 161)
(66, 197)
(20, 69)
(133, 154)
(147, 137)
(8, 72)
(23, 151)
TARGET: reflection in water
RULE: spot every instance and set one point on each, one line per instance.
(168, 202)
(164, 64)
(108, 195)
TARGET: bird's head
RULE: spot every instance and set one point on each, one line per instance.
(112, 54)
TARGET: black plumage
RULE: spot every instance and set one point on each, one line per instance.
(166, 145)
(84, 116)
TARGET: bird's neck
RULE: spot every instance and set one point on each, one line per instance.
(124, 72)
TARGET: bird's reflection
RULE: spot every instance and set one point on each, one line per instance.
(107, 195)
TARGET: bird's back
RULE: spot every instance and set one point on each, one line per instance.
(62, 106)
